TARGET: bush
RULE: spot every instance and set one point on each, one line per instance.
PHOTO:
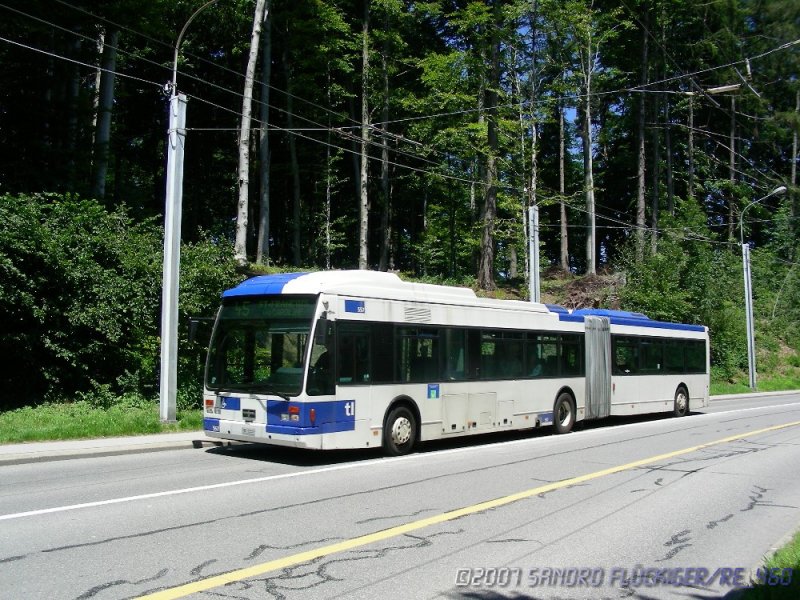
(690, 280)
(81, 299)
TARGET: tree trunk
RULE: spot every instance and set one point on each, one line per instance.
(668, 150)
(655, 200)
(732, 166)
(240, 248)
(588, 181)
(383, 263)
(690, 190)
(794, 142)
(489, 212)
(667, 121)
(293, 162)
(72, 124)
(105, 105)
(640, 135)
(562, 190)
(262, 249)
(795, 157)
(363, 221)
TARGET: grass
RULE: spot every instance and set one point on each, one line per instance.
(81, 420)
(765, 384)
(784, 568)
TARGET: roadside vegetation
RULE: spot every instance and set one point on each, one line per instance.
(780, 575)
(81, 299)
(75, 420)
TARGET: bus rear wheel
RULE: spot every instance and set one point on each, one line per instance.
(400, 432)
(564, 413)
(681, 408)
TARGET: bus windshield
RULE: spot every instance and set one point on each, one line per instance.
(259, 345)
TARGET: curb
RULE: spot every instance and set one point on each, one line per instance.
(20, 454)
(752, 394)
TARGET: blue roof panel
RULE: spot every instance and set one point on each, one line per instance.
(261, 285)
(631, 319)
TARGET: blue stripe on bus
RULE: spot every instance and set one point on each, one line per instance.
(210, 424)
(329, 417)
(325, 428)
(625, 318)
(263, 284)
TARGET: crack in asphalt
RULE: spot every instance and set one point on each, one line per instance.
(755, 498)
(92, 592)
(679, 541)
(413, 514)
(199, 568)
(260, 549)
(713, 524)
(276, 585)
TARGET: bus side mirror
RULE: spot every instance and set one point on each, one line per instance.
(192, 329)
(194, 326)
(321, 332)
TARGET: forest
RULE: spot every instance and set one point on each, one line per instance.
(653, 136)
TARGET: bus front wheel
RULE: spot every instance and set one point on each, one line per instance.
(400, 432)
(564, 413)
(681, 402)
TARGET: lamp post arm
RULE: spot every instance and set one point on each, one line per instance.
(776, 192)
(178, 44)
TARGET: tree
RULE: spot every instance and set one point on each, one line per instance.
(262, 248)
(363, 206)
(242, 216)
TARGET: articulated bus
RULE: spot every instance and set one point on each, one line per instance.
(360, 359)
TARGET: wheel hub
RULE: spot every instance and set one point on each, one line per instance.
(401, 431)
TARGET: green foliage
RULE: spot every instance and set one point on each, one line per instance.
(129, 416)
(83, 300)
(782, 568)
(689, 280)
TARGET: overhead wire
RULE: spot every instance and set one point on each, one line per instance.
(339, 129)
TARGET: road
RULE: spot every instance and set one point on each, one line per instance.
(592, 514)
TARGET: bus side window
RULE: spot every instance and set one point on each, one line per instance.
(353, 354)
(626, 356)
(455, 346)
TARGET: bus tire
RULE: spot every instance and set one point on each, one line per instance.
(681, 406)
(400, 431)
(564, 413)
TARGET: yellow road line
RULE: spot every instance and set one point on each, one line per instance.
(182, 591)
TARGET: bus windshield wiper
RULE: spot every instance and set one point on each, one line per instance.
(277, 393)
(261, 389)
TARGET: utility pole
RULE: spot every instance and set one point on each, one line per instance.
(176, 140)
(533, 252)
(748, 290)
(176, 137)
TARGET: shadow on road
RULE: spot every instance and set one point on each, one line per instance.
(315, 458)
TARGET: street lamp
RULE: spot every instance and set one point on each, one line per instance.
(176, 134)
(748, 288)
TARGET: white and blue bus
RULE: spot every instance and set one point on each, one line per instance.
(361, 359)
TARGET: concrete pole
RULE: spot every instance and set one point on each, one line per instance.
(533, 252)
(748, 288)
(176, 138)
(748, 307)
